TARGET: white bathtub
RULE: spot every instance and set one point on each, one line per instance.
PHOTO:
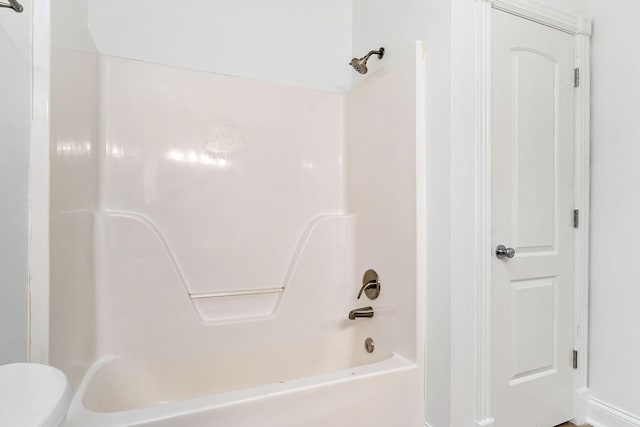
(379, 394)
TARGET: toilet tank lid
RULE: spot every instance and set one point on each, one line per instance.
(33, 395)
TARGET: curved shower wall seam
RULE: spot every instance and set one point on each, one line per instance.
(302, 243)
(156, 231)
(293, 263)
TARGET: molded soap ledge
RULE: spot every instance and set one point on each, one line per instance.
(237, 307)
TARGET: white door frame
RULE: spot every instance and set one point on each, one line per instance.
(580, 28)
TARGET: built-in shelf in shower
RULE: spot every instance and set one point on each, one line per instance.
(237, 304)
(206, 295)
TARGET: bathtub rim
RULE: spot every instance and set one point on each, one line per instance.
(78, 415)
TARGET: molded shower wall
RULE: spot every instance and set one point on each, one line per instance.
(383, 159)
(74, 153)
(218, 187)
(185, 202)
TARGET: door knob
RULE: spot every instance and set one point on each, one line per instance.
(503, 252)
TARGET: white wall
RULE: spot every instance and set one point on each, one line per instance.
(15, 128)
(615, 284)
(461, 116)
(300, 42)
(69, 28)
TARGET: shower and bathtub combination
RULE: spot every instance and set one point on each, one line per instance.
(233, 251)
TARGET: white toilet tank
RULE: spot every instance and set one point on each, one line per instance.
(33, 395)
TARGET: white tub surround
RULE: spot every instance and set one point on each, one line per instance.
(216, 240)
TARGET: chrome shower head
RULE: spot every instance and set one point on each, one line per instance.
(360, 64)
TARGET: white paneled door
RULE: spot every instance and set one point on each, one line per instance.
(532, 213)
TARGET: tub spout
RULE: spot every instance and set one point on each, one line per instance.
(361, 312)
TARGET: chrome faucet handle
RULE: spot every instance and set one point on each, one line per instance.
(371, 289)
(370, 285)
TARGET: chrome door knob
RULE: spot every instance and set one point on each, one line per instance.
(503, 252)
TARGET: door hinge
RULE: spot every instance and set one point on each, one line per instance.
(576, 218)
(575, 359)
(576, 77)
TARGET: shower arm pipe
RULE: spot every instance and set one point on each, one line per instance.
(379, 52)
(13, 4)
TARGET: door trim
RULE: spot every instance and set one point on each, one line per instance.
(545, 15)
(580, 28)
